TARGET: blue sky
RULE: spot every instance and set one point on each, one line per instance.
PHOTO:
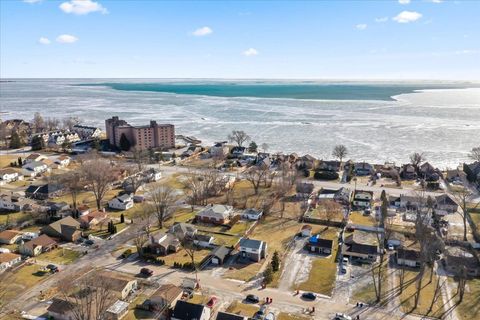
(417, 39)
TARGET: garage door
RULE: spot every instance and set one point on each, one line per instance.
(215, 261)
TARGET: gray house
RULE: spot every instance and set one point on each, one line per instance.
(255, 250)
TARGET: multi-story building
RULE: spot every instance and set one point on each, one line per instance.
(145, 137)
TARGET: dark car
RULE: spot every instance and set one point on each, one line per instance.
(252, 298)
(88, 242)
(53, 268)
(309, 296)
(146, 272)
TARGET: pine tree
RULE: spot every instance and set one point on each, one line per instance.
(275, 262)
(122, 218)
(252, 147)
(15, 141)
(268, 274)
(124, 143)
(37, 143)
(20, 161)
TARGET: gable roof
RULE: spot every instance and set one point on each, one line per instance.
(187, 311)
(167, 292)
(408, 254)
(220, 252)
(251, 243)
(43, 241)
(59, 306)
(8, 256)
(9, 234)
(229, 316)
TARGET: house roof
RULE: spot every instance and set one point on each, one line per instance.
(251, 243)
(99, 215)
(34, 164)
(33, 156)
(306, 226)
(59, 306)
(167, 292)
(7, 257)
(318, 242)
(187, 311)
(182, 228)
(229, 316)
(65, 225)
(7, 171)
(220, 252)
(43, 241)
(118, 307)
(9, 234)
(408, 254)
(216, 210)
(115, 281)
(445, 199)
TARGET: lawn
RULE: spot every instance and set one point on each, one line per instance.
(246, 310)
(5, 160)
(88, 198)
(244, 272)
(357, 217)
(103, 232)
(134, 314)
(60, 256)
(224, 240)
(476, 218)
(289, 316)
(470, 306)
(324, 270)
(14, 217)
(182, 257)
(199, 299)
(23, 279)
(426, 294)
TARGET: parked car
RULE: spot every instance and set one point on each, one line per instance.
(146, 272)
(391, 247)
(342, 316)
(53, 268)
(367, 211)
(270, 316)
(127, 253)
(252, 298)
(345, 260)
(212, 302)
(260, 314)
(88, 242)
(309, 296)
(343, 270)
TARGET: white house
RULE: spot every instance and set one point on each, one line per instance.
(407, 257)
(87, 132)
(13, 202)
(252, 214)
(9, 259)
(255, 250)
(123, 202)
(36, 167)
(8, 175)
(34, 157)
(362, 199)
(62, 161)
(218, 214)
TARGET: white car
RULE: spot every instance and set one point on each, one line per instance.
(342, 316)
(345, 260)
(391, 247)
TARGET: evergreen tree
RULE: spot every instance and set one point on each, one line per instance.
(20, 161)
(124, 143)
(38, 143)
(15, 141)
(268, 274)
(252, 147)
(122, 218)
(275, 262)
(114, 229)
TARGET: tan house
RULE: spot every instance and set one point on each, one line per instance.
(8, 259)
(66, 229)
(122, 284)
(164, 298)
(38, 245)
(93, 218)
(10, 236)
(61, 309)
(215, 213)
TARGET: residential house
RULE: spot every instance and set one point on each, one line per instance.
(237, 151)
(62, 161)
(455, 175)
(10, 236)
(306, 230)
(190, 311)
(182, 230)
(219, 255)
(329, 166)
(304, 190)
(408, 257)
(457, 259)
(87, 132)
(93, 219)
(34, 157)
(255, 250)
(61, 309)
(57, 208)
(317, 245)
(117, 311)
(341, 195)
(361, 246)
(152, 175)
(8, 260)
(426, 170)
(362, 199)
(37, 245)
(472, 171)
(446, 203)
(164, 298)
(44, 191)
(411, 202)
(8, 175)
(229, 316)
(123, 202)
(121, 284)
(83, 210)
(306, 162)
(66, 229)
(215, 213)
(14, 202)
(252, 214)
(363, 169)
(164, 243)
(408, 172)
(203, 240)
(34, 168)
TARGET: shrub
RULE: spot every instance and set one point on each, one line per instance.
(325, 175)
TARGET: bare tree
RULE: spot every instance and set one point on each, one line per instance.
(239, 137)
(340, 152)
(462, 197)
(74, 182)
(4, 133)
(163, 200)
(188, 245)
(264, 147)
(52, 124)
(134, 179)
(140, 158)
(462, 283)
(139, 241)
(333, 210)
(417, 158)
(69, 122)
(99, 177)
(255, 175)
(38, 122)
(89, 297)
(203, 184)
(475, 154)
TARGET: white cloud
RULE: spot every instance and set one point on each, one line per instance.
(436, 1)
(203, 31)
(407, 16)
(66, 38)
(80, 7)
(32, 1)
(250, 52)
(361, 26)
(404, 1)
(381, 19)
(44, 40)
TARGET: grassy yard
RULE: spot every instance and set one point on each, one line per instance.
(23, 279)
(5, 160)
(199, 299)
(245, 272)
(88, 198)
(103, 232)
(407, 298)
(60, 256)
(246, 310)
(470, 306)
(182, 257)
(357, 217)
(476, 219)
(289, 316)
(14, 217)
(134, 314)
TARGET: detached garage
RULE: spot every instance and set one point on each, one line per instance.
(219, 255)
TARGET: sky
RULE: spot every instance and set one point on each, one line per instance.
(387, 39)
